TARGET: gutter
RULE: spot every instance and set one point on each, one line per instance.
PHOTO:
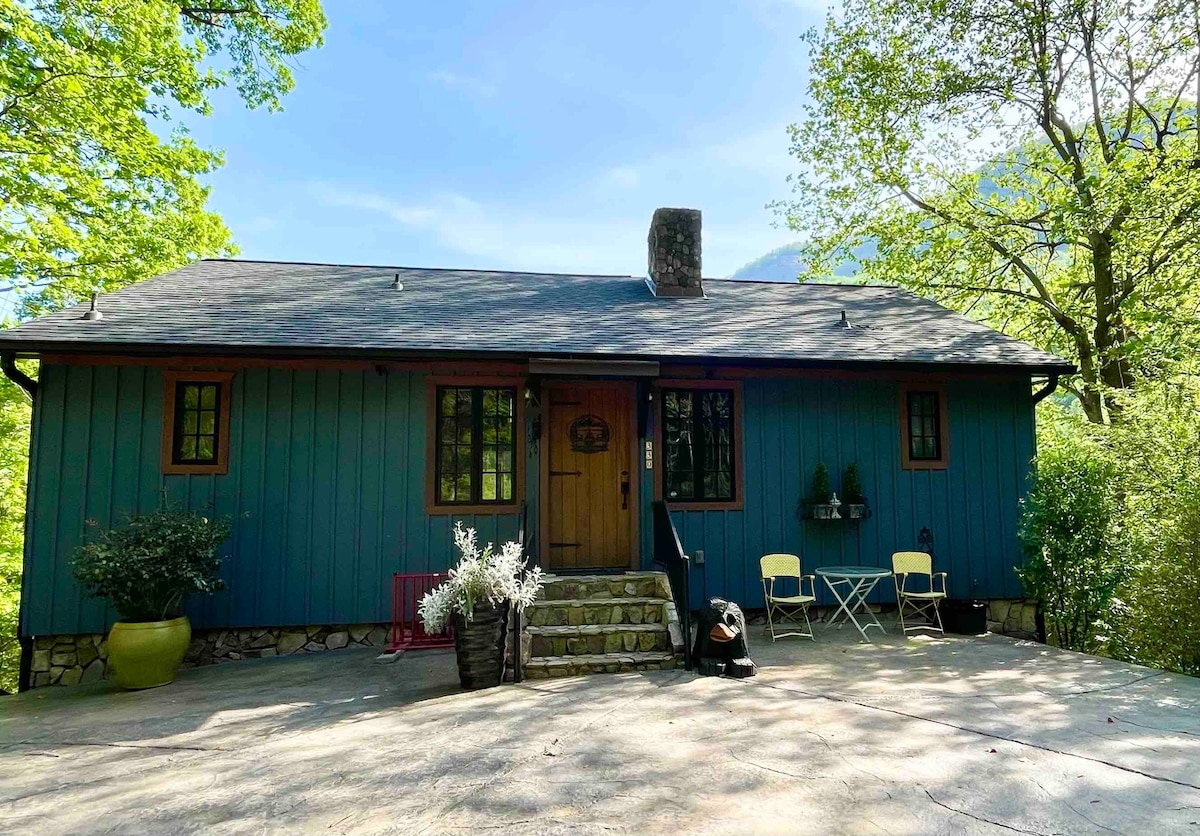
(1043, 393)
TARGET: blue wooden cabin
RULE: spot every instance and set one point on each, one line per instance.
(346, 416)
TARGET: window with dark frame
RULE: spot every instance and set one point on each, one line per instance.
(698, 445)
(197, 430)
(476, 445)
(924, 426)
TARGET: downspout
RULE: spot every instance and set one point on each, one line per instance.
(1043, 393)
(8, 364)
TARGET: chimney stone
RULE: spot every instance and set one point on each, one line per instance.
(674, 253)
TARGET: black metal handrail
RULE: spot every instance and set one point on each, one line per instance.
(668, 553)
(515, 615)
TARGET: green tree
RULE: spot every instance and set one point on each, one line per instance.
(1037, 164)
(99, 182)
(14, 458)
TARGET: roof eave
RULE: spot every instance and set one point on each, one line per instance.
(35, 348)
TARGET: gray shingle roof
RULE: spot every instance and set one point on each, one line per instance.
(274, 307)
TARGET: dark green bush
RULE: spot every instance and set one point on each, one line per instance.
(852, 489)
(821, 491)
(148, 567)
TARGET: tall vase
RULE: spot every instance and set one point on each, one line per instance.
(479, 646)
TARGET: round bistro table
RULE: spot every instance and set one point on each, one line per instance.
(859, 582)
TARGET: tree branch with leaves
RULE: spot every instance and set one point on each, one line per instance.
(1036, 163)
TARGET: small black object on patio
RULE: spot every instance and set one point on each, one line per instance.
(720, 646)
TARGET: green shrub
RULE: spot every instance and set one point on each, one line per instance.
(148, 567)
(1075, 556)
(821, 491)
(852, 489)
(1157, 447)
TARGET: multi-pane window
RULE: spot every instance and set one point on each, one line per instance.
(924, 426)
(476, 445)
(197, 431)
(698, 445)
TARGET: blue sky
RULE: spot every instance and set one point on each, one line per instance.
(530, 136)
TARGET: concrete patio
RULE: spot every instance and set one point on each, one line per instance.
(955, 735)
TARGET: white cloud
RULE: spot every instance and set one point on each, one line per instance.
(598, 224)
(470, 85)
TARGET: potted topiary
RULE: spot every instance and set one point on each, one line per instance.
(147, 569)
(854, 504)
(476, 601)
(821, 495)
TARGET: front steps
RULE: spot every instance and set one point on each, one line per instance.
(603, 624)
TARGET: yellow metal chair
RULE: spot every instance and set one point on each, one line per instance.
(922, 603)
(786, 609)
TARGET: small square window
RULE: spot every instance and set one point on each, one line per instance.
(196, 422)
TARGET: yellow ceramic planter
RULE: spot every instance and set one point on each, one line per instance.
(146, 654)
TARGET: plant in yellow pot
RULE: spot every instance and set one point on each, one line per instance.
(147, 569)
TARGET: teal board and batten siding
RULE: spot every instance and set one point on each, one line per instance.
(789, 425)
(325, 488)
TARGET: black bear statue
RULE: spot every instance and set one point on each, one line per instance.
(720, 646)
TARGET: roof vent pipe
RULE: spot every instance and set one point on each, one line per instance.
(94, 312)
(845, 323)
(396, 285)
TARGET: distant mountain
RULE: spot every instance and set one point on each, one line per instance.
(785, 265)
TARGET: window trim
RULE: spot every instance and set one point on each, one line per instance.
(906, 460)
(171, 382)
(432, 506)
(738, 502)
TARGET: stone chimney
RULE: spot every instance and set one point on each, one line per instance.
(674, 257)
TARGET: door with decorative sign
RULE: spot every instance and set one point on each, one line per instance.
(589, 484)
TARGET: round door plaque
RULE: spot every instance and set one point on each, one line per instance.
(589, 434)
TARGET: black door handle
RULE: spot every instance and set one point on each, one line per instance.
(624, 490)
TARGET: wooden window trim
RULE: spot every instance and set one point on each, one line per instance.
(171, 379)
(738, 502)
(432, 508)
(906, 460)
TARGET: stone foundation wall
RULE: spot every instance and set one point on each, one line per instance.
(1016, 618)
(71, 659)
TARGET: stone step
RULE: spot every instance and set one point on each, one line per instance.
(606, 587)
(593, 611)
(590, 639)
(553, 667)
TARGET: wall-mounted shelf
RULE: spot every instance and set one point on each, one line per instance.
(823, 511)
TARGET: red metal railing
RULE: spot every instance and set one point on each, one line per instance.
(407, 630)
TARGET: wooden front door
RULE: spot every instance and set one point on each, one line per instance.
(589, 476)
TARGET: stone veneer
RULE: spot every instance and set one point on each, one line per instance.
(674, 256)
(71, 659)
(1016, 618)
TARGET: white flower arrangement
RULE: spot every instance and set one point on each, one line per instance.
(498, 577)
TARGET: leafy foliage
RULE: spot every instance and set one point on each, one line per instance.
(1112, 529)
(99, 190)
(1037, 165)
(1072, 540)
(481, 575)
(852, 489)
(14, 448)
(821, 492)
(147, 568)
